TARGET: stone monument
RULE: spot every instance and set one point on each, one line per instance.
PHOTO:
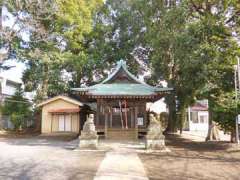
(88, 137)
(155, 138)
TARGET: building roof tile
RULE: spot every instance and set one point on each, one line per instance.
(134, 87)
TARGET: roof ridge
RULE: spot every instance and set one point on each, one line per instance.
(66, 98)
(122, 64)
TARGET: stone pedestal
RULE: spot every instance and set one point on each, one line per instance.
(89, 137)
(155, 139)
(155, 144)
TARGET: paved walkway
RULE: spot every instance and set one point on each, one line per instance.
(121, 164)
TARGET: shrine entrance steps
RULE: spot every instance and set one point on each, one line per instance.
(122, 134)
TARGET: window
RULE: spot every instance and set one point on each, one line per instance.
(202, 119)
(10, 90)
(194, 117)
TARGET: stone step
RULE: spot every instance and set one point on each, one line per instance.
(129, 134)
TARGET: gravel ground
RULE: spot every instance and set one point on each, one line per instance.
(49, 158)
(193, 160)
(46, 158)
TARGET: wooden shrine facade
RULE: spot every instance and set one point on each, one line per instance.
(120, 103)
(126, 115)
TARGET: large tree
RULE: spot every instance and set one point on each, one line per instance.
(225, 110)
(219, 27)
(56, 44)
(191, 44)
(172, 38)
(194, 43)
(117, 35)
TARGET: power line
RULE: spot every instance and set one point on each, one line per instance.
(24, 102)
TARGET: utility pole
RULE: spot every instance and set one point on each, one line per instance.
(237, 89)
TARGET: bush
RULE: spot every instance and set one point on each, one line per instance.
(18, 108)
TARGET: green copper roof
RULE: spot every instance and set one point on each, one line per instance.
(122, 65)
(122, 89)
(133, 86)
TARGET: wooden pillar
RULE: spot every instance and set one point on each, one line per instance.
(136, 114)
(64, 121)
(111, 118)
(106, 120)
(136, 121)
(132, 117)
(79, 122)
(71, 122)
(145, 115)
(51, 121)
(98, 113)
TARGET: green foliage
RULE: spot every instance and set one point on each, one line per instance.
(191, 44)
(18, 108)
(195, 50)
(74, 20)
(57, 45)
(225, 111)
(219, 47)
(116, 35)
(188, 44)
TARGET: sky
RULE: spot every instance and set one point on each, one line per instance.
(14, 73)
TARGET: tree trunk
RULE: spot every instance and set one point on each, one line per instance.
(77, 80)
(43, 91)
(45, 81)
(233, 136)
(172, 113)
(209, 123)
(213, 132)
(182, 118)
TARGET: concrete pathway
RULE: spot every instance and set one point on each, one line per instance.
(121, 164)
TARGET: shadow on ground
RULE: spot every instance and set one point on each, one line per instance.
(193, 160)
(46, 158)
(176, 141)
(66, 142)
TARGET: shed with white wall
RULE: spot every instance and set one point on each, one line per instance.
(60, 114)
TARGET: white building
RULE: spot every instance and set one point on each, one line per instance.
(10, 80)
(7, 89)
(198, 116)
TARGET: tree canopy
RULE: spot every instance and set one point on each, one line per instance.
(190, 44)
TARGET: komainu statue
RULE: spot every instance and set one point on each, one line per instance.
(155, 138)
(89, 137)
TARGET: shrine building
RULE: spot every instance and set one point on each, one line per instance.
(118, 104)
